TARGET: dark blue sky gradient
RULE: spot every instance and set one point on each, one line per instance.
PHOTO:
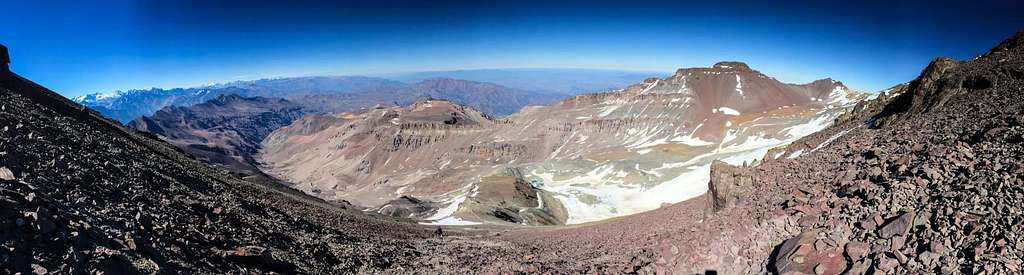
(77, 47)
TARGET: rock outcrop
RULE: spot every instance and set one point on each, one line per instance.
(724, 178)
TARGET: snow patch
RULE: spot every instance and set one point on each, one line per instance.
(819, 123)
(450, 221)
(739, 85)
(602, 193)
(655, 83)
(838, 96)
(726, 111)
(443, 216)
(796, 153)
(691, 141)
(833, 138)
(608, 110)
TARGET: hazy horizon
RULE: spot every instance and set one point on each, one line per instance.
(403, 76)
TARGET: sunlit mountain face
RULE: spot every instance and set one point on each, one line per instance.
(595, 156)
(511, 137)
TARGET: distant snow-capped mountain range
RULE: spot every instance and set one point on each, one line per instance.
(543, 84)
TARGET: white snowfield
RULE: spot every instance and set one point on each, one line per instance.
(444, 215)
(613, 188)
(652, 178)
(603, 192)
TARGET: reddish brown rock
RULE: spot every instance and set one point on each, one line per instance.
(798, 255)
(724, 178)
(857, 250)
(899, 226)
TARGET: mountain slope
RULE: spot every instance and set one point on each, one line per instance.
(930, 185)
(934, 189)
(128, 105)
(600, 155)
(81, 194)
(226, 130)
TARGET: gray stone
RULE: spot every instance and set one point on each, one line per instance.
(899, 226)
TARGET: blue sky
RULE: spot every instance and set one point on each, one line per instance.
(78, 47)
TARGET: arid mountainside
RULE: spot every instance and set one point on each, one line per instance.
(80, 194)
(226, 130)
(928, 179)
(229, 128)
(594, 155)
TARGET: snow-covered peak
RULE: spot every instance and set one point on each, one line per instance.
(96, 97)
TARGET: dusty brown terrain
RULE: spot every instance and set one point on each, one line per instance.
(930, 184)
(596, 155)
(226, 130)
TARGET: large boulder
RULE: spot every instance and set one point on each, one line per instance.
(724, 181)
